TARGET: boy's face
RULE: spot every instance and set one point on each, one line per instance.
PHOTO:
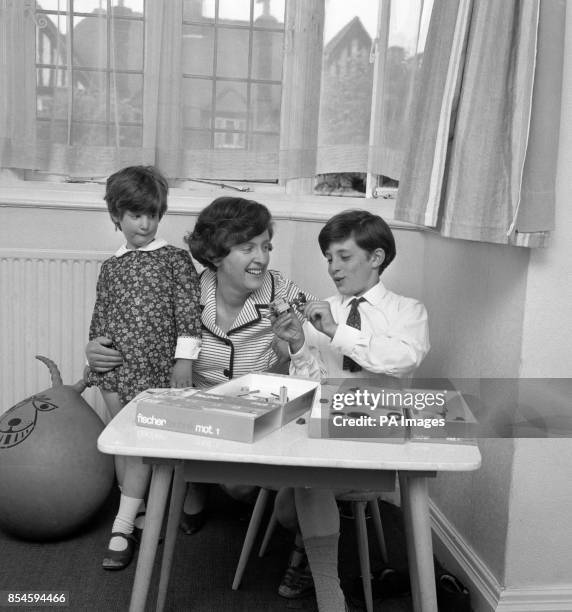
(353, 270)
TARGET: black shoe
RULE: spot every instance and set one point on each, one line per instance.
(387, 583)
(452, 595)
(191, 523)
(120, 559)
(297, 582)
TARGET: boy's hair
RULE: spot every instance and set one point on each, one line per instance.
(369, 231)
(224, 223)
(138, 189)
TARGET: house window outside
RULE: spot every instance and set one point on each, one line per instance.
(232, 73)
(97, 46)
(231, 81)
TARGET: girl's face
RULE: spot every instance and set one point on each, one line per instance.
(139, 229)
(244, 267)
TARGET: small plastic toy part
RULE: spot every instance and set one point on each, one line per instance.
(280, 305)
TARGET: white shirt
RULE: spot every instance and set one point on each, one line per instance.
(393, 339)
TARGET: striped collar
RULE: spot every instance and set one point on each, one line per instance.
(156, 243)
(251, 312)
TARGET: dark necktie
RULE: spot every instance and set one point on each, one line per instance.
(354, 320)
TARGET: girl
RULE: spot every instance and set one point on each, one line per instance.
(147, 305)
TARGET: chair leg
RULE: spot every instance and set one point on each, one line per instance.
(251, 532)
(268, 534)
(374, 508)
(363, 550)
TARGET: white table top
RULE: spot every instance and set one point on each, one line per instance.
(287, 446)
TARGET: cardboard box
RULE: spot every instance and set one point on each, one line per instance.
(367, 418)
(357, 409)
(458, 422)
(243, 409)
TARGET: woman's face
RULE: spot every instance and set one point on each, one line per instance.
(244, 267)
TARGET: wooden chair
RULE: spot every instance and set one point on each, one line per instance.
(359, 501)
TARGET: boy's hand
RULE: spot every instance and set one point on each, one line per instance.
(101, 355)
(182, 374)
(320, 316)
(287, 327)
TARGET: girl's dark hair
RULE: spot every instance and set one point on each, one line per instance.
(224, 223)
(369, 231)
(138, 189)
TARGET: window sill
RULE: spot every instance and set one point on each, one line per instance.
(190, 201)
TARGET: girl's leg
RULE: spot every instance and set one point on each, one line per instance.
(319, 521)
(114, 405)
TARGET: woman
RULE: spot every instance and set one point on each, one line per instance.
(232, 238)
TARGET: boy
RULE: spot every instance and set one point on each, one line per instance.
(362, 331)
(384, 333)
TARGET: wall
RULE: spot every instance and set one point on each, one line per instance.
(475, 294)
(537, 552)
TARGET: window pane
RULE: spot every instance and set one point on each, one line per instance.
(128, 90)
(267, 55)
(197, 10)
(347, 77)
(197, 103)
(230, 100)
(196, 140)
(52, 99)
(53, 5)
(90, 96)
(50, 47)
(54, 131)
(89, 134)
(127, 41)
(90, 42)
(270, 12)
(234, 10)
(265, 104)
(265, 142)
(198, 50)
(130, 136)
(133, 5)
(89, 6)
(232, 53)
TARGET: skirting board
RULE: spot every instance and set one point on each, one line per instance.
(487, 595)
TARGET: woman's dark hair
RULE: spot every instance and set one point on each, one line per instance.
(369, 231)
(224, 223)
(138, 189)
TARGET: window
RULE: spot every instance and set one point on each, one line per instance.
(221, 89)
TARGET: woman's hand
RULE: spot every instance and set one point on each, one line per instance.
(182, 374)
(320, 316)
(100, 356)
(287, 327)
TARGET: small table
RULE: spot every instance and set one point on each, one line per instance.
(286, 457)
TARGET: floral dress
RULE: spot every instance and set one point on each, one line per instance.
(147, 303)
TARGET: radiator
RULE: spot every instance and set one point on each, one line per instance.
(46, 300)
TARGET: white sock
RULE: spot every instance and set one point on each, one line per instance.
(128, 507)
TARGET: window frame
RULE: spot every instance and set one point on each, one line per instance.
(297, 15)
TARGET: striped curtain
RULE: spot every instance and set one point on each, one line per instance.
(481, 161)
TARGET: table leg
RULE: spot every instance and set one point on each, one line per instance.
(415, 506)
(158, 493)
(177, 499)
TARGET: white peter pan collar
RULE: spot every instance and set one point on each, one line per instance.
(156, 243)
